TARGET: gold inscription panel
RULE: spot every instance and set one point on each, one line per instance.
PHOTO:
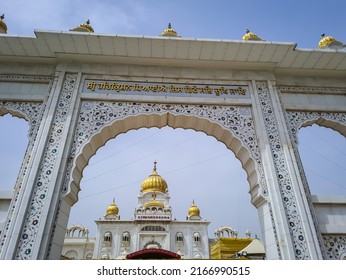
(165, 89)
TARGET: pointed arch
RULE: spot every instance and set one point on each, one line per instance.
(243, 151)
(297, 120)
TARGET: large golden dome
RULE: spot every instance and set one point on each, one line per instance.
(154, 183)
(112, 209)
(193, 210)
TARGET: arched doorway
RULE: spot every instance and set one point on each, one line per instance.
(191, 162)
(242, 142)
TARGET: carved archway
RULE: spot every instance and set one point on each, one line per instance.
(336, 122)
(102, 121)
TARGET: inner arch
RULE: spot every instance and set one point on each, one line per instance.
(161, 120)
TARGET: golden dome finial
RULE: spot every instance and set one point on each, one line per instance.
(154, 183)
(328, 42)
(3, 26)
(169, 32)
(250, 36)
(112, 209)
(193, 210)
(84, 27)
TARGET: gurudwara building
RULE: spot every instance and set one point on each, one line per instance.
(152, 228)
(153, 234)
(77, 89)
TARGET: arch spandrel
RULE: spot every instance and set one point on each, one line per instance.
(101, 121)
(333, 244)
(298, 119)
(29, 111)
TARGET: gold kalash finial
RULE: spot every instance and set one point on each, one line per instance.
(84, 27)
(328, 42)
(250, 36)
(169, 32)
(3, 26)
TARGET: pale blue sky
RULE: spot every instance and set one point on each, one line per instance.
(190, 162)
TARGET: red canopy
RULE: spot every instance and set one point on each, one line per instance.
(153, 253)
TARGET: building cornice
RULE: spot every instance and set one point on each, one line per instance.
(54, 46)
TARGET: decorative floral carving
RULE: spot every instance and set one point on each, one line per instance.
(297, 119)
(22, 78)
(39, 196)
(95, 115)
(335, 246)
(283, 177)
(32, 112)
(312, 90)
(274, 229)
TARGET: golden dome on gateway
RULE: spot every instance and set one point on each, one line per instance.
(3, 26)
(84, 27)
(328, 42)
(250, 36)
(154, 182)
(169, 32)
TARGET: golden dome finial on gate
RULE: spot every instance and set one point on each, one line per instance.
(169, 32)
(84, 27)
(3, 26)
(250, 36)
(328, 42)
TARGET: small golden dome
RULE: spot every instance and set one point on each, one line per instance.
(169, 32)
(154, 183)
(3, 26)
(250, 36)
(155, 203)
(84, 27)
(112, 209)
(193, 210)
(328, 42)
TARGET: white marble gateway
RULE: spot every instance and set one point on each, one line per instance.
(252, 95)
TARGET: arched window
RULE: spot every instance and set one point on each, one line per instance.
(72, 255)
(105, 256)
(126, 236)
(107, 237)
(179, 237)
(197, 237)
